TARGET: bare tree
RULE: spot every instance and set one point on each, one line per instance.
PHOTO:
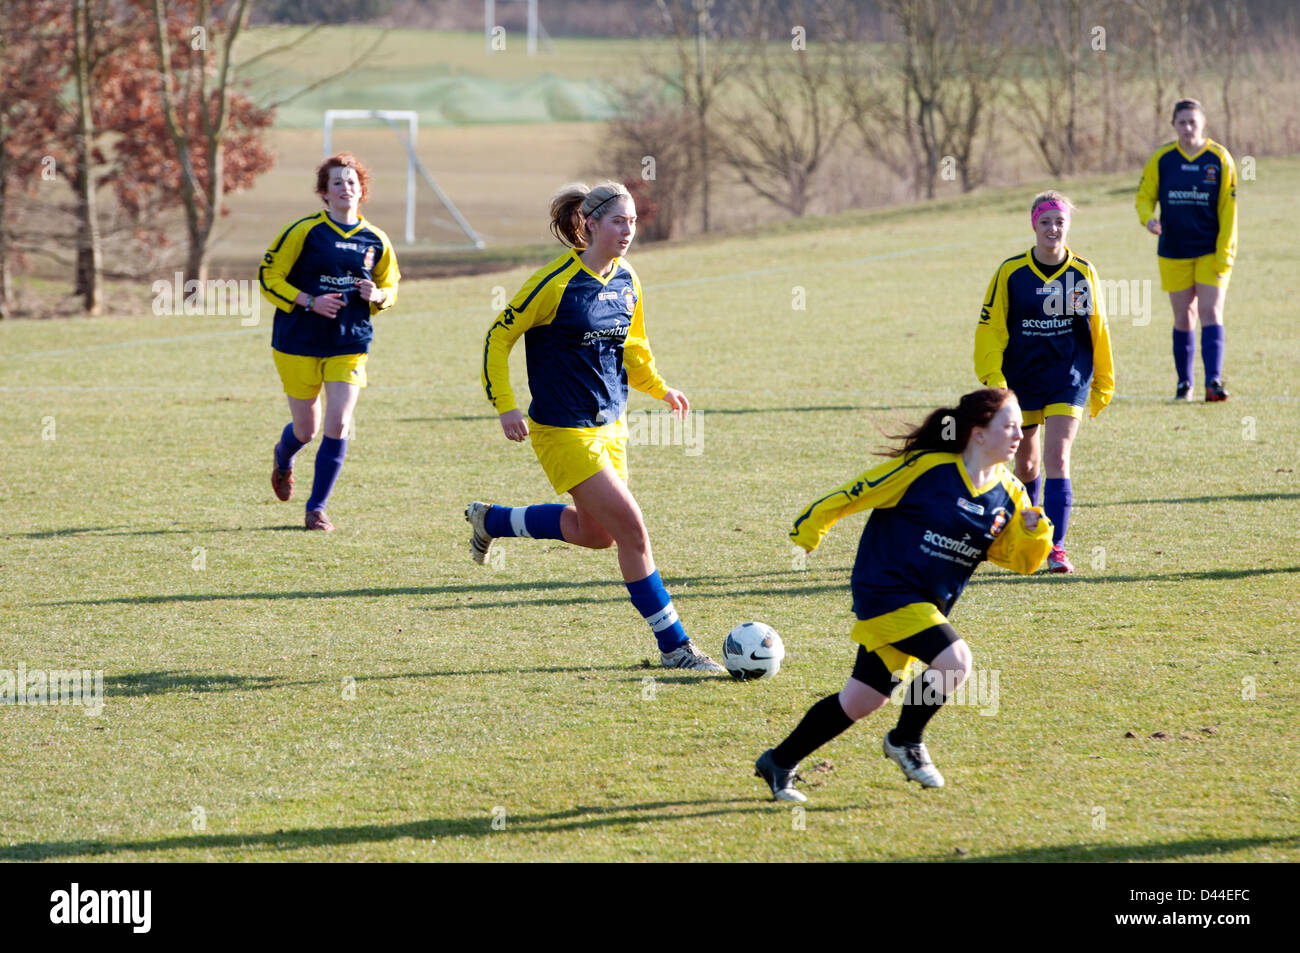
(952, 67)
(790, 114)
(1166, 22)
(1228, 22)
(1047, 96)
(702, 66)
(89, 254)
(650, 147)
(201, 199)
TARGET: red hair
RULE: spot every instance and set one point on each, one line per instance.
(344, 160)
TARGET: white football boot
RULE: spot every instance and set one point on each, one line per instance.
(480, 543)
(915, 762)
(688, 656)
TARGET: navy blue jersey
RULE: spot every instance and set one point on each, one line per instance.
(1198, 201)
(317, 256)
(928, 530)
(585, 341)
(1044, 335)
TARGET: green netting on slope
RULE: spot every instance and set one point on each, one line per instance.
(444, 100)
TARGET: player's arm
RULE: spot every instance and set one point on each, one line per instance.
(1103, 365)
(638, 361)
(519, 315)
(1225, 249)
(1149, 190)
(881, 486)
(991, 334)
(1018, 547)
(385, 276)
(273, 273)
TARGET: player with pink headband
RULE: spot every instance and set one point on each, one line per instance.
(1042, 332)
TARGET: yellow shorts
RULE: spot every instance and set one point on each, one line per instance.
(1178, 274)
(878, 634)
(1032, 418)
(570, 455)
(303, 374)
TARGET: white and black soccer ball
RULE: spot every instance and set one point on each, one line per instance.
(752, 650)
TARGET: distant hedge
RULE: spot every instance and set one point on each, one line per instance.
(325, 11)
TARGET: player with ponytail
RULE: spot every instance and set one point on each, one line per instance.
(944, 502)
(582, 323)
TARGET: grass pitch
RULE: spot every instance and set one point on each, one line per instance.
(371, 694)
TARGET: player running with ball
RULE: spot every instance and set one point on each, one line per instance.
(1042, 332)
(941, 505)
(581, 320)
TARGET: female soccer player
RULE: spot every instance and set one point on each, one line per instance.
(1042, 332)
(581, 317)
(1195, 183)
(944, 503)
(327, 275)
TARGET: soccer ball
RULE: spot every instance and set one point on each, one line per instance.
(752, 650)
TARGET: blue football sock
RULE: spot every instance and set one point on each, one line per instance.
(1184, 354)
(1058, 497)
(1032, 488)
(329, 461)
(1212, 351)
(541, 521)
(656, 606)
(286, 448)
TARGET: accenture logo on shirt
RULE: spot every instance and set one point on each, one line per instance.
(1048, 324)
(959, 546)
(605, 334)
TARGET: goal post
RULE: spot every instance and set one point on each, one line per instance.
(413, 164)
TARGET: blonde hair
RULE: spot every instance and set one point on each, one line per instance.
(1051, 195)
(574, 203)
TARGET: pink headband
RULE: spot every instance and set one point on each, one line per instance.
(1044, 206)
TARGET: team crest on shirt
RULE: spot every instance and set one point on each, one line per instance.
(1079, 299)
(1211, 175)
(369, 260)
(629, 299)
(999, 522)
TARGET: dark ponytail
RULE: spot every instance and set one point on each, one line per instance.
(948, 428)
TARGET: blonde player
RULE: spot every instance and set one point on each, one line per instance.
(1042, 332)
(581, 320)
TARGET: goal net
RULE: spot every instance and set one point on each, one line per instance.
(415, 169)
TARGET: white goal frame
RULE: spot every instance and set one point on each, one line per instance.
(413, 164)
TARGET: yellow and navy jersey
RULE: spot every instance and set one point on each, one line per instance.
(585, 340)
(1038, 332)
(317, 256)
(1198, 202)
(928, 530)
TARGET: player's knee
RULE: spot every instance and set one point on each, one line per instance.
(630, 532)
(859, 704)
(962, 661)
(594, 537)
